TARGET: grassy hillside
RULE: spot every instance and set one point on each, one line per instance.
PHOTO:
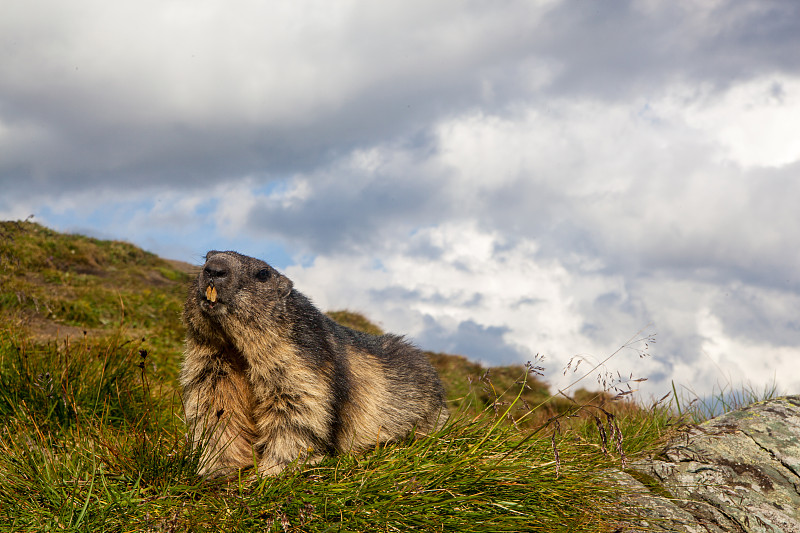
(92, 437)
(58, 285)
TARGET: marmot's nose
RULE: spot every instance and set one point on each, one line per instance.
(212, 272)
(217, 268)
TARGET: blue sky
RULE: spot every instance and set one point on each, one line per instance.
(498, 179)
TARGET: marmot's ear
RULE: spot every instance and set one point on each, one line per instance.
(284, 286)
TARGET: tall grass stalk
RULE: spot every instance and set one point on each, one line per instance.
(722, 399)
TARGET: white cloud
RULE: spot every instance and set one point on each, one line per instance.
(754, 124)
(545, 309)
(669, 222)
(652, 188)
(477, 278)
(740, 360)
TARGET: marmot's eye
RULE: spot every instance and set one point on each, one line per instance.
(263, 274)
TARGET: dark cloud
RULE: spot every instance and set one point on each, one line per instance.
(345, 212)
(95, 124)
(107, 120)
(761, 317)
(396, 294)
(471, 339)
(622, 48)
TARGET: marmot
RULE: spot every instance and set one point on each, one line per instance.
(267, 378)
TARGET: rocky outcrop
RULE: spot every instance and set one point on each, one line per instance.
(739, 472)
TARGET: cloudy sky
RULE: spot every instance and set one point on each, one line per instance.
(496, 179)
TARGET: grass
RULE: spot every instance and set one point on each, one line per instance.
(92, 437)
(92, 440)
(724, 398)
(80, 283)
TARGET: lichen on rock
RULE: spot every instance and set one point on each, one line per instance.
(737, 472)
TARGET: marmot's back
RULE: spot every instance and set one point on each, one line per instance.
(266, 373)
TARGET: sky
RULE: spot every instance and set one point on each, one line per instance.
(614, 183)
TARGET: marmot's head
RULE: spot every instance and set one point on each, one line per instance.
(234, 293)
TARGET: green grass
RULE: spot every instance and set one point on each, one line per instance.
(72, 280)
(92, 440)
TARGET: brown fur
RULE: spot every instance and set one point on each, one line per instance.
(268, 379)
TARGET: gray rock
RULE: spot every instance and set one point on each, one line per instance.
(658, 513)
(739, 472)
